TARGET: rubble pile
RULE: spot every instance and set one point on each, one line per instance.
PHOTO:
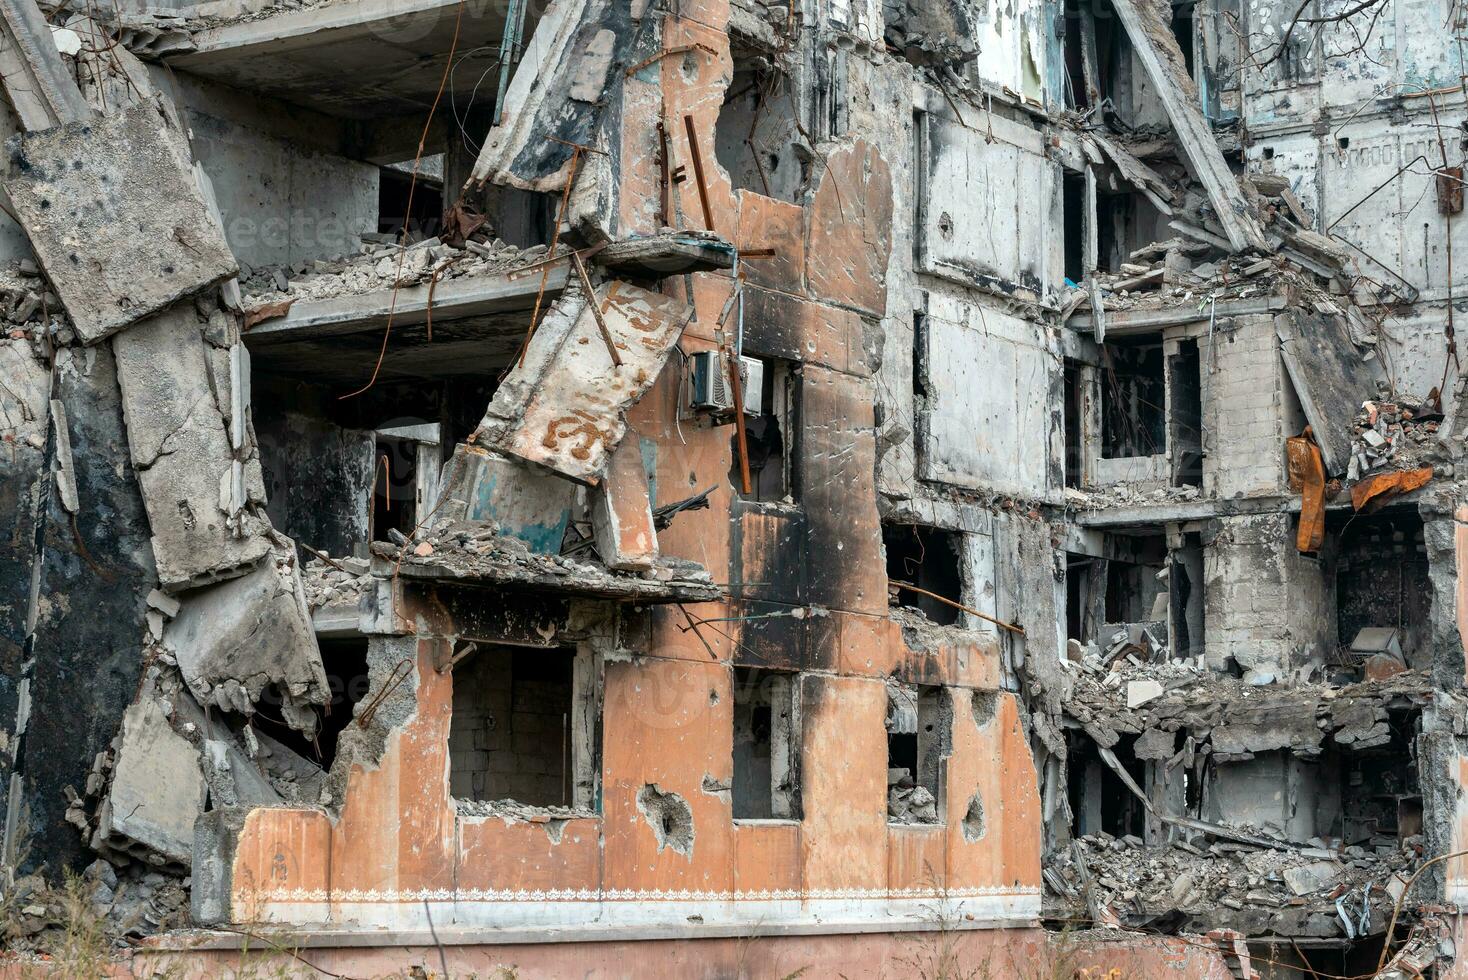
(382, 265)
(26, 302)
(1400, 434)
(908, 802)
(329, 581)
(1127, 495)
(1313, 890)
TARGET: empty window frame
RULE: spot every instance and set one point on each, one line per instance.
(1133, 399)
(766, 783)
(919, 741)
(522, 726)
(769, 437)
(926, 557)
(1185, 414)
(757, 136)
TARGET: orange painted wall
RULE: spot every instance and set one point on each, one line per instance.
(666, 720)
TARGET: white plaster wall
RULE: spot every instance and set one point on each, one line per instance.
(1410, 47)
(1398, 229)
(281, 204)
(988, 377)
(989, 207)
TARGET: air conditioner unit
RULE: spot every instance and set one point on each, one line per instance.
(710, 384)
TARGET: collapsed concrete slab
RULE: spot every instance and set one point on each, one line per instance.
(157, 789)
(563, 405)
(233, 639)
(621, 512)
(115, 217)
(176, 408)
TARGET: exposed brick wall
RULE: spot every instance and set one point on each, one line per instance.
(1243, 415)
(1266, 604)
(508, 739)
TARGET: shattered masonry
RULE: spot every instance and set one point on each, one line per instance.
(746, 473)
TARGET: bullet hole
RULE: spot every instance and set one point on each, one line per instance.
(670, 818)
(945, 226)
(985, 707)
(713, 697)
(973, 820)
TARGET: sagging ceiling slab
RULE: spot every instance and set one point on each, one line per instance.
(357, 59)
(478, 324)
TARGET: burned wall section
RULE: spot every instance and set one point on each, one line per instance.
(96, 572)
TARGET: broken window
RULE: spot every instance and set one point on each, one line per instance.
(766, 754)
(1133, 399)
(1185, 415)
(1136, 579)
(928, 558)
(1382, 591)
(1185, 598)
(402, 200)
(1184, 30)
(1100, 802)
(517, 731)
(1073, 189)
(1076, 405)
(405, 478)
(919, 742)
(757, 137)
(768, 436)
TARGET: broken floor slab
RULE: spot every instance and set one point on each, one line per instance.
(563, 405)
(176, 431)
(116, 218)
(477, 554)
(234, 638)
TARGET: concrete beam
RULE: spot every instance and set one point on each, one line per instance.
(455, 299)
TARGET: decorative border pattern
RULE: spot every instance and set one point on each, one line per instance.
(418, 895)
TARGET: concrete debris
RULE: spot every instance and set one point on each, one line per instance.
(60, 183)
(562, 406)
(381, 266)
(176, 409)
(156, 789)
(233, 639)
(473, 551)
(621, 511)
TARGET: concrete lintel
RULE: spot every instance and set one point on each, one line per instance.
(453, 300)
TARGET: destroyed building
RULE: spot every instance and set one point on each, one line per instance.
(876, 487)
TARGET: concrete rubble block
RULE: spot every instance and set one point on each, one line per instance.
(563, 406)
(621, 511)
(115, 217)
(181, 451)
(233, 639)
(1312, 877)
(157, 787)
(1139, 693)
